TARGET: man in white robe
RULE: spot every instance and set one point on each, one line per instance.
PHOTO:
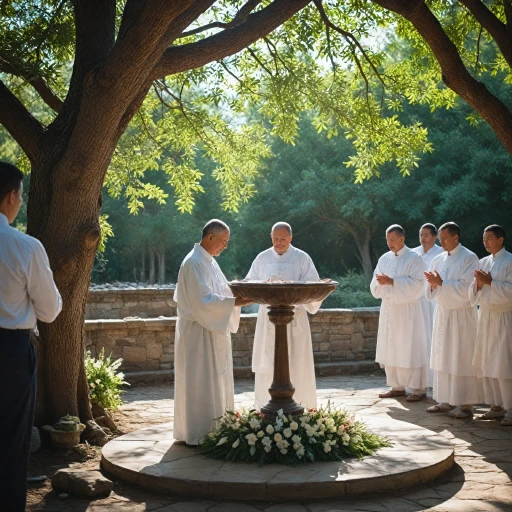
(492, 290)
(207, 313)
(284, 262)
(455, 323)
(401, 338)
(428, 250)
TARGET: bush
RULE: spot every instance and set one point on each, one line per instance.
(353, 291)
(103, 380)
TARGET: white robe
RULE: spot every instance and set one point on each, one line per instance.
(454, 331)
(493, 353)
(401, 338)
(293, 265)
(203, 367)
(427, 306)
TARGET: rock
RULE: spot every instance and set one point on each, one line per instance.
(35, 441)
(87, 484)
(94, 434)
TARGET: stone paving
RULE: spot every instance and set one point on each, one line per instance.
(479, 481)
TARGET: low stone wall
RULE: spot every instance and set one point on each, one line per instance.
(148, 344)
(142, 302)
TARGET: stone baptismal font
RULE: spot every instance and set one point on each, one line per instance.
(281, 297)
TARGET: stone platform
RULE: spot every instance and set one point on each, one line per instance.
(151, 459)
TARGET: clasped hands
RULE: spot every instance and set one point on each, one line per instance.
(383, 279)
(482, 278)
(434, 279)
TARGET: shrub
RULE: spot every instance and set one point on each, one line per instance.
(103, 380)
(353, 291)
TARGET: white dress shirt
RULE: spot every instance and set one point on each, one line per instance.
(27, 290)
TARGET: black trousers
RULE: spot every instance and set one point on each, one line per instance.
(17, 401)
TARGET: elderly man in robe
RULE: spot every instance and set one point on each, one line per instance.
(283, 262)
(428, 250)
(207, 314)
(492, 290)
(455, 322)
(401, 338)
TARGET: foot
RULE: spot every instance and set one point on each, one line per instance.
(492, 414)
(416, 397)
(392, 393)
(442, 407)
(507, 420)
(462, 414)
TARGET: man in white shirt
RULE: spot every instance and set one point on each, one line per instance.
(492, 290)
(283, 262)
(428, 250)
(207, 314)
(27, 294)
(401, 338)
(455, 322)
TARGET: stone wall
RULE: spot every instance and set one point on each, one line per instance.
(148, 344)
(142, 302)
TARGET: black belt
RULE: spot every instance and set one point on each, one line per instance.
(18, 331)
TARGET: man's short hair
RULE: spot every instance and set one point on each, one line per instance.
(214, 227)
(433, 229)
(282, 225)
(497, 230)
(396, 228)
(10, 179)
(452, 228)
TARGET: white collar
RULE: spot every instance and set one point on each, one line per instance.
(203, 252)
(500, 253)
(402, 251)
(288, 251)
(454, 251)
(3, 219)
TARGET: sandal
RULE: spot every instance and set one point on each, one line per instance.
(492, 415)
(413, 397)
(439, 408)
(392, 393)
(462, 414)
(506, 421)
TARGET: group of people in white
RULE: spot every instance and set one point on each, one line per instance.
(427, 336)
(431, 333)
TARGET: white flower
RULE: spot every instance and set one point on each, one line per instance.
(267, 448)
(312, 440)
(297, 446)
(329, 422)
(294, 426)
(266, 441)
(236, 426)
(356, 438)
(327, 447)
(345, 438)
(236, 443)
(284, 451)
(296, 439)
(278, 425)
(97, 381)
(341, 429)
(252, 450)
(310, 430)
(300, 453)
(222, 441)
(251, 439)
(280, 413)
(121, 375)
(269, 429)
(287, 432)
(92, 385)
(254, 423)
(260, 433)
(278, 437)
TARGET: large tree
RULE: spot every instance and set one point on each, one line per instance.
(93, 63)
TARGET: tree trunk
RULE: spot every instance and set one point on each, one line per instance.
(151, 265)
(161, 266)
(363, 242)
(143, 266)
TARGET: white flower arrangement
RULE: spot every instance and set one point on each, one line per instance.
(326, 433)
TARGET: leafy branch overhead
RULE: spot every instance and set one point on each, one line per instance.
(210, 63)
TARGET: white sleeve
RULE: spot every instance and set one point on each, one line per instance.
(454, 292)
(41, 287)
(254, 272)
(309, 273)
(475, 295)
(501, 291)
(379, 291)
(429, 293)
(211, 311)
(410, 288)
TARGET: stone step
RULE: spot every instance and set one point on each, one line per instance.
(155, 377)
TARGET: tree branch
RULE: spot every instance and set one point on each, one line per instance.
(454, 73)
(26, 130)
(36, 81)
(177, 59)
(496, 28)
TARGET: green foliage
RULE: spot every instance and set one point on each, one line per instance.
(352, 292)
(104, 380)
(324, 434)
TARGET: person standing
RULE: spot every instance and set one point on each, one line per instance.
(428, 250)
(455, 322)
(492, 290)
(27, 294)
(401, 338)
(283, 262)
(207, 314)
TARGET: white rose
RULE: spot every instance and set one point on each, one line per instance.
(284, 451)
(287, 432)
(300, 453)
(294, 426)
(267, 448)
(260, 433)
(251, 439)
(278, 437)
(269, 429)
(266, 441)
(296, 439)
(254, 423)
